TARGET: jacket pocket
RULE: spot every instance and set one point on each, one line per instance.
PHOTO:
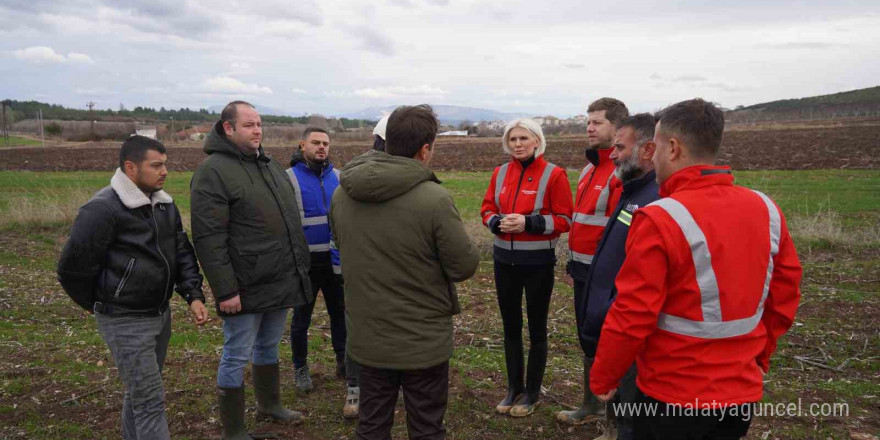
(259, 262)
(125, 276)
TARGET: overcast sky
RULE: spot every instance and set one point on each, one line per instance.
(332, 56)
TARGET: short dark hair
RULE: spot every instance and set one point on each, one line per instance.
(230, 112)
(135, 148)
(642, 124)
(698, 123)
(615, 110)
(310, 130)
(409, 128)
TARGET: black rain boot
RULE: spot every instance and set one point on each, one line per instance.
(267, 387)
(591, 408)
(231, 403)
(513, 357)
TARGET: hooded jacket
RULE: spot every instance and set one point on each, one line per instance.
(595, 198)
(403, 245)
(247, 230)
(127, 252)
(314, 186)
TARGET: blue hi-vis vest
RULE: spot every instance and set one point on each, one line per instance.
(313, 195)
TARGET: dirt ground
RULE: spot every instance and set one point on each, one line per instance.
(744, 148)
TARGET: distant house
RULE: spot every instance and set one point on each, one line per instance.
(146, 130)
(454, 133)
(546, 120)
(196, 133)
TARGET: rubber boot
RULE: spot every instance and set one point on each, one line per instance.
(231, 403)
(267, 387)
(513, 357)
(591, 408)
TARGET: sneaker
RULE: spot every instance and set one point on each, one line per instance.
(352, 403)
(303, 379)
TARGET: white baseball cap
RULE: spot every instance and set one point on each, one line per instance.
(379, 130)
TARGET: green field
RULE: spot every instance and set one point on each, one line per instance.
(16, 141)
(58, 380)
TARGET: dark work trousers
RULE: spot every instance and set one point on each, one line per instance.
(674, 423)
(621, 405)
(580, 309)
(537, 281)
(425, 393)
(334, 297)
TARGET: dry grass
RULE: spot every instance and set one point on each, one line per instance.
(28, 209)
(827, 226)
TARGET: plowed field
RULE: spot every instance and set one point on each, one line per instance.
(792, 149)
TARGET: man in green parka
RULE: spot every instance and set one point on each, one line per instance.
(402, 246)
(249, 239)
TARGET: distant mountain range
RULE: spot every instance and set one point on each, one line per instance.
(448, 114)
(854, 103)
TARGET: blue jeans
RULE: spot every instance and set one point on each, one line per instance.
(246, 337)
(139, 345)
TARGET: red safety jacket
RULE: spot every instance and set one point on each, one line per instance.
(710, 282)
(598, 191)
(540, 192)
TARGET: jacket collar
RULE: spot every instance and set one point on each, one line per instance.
(632, 186)
(536, 163)
(694, 177)
(597, 156)
(132, 196)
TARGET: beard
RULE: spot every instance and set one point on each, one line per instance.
(628, 169)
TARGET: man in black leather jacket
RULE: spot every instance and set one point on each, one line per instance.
(126, 253)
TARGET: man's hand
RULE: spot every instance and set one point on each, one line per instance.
(513, 224)
(199, 312)
(231, 305)
(607, 396)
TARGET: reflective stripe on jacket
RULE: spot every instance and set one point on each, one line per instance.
(710, 282)
(598, 191)
(542, 194)
(313, 196)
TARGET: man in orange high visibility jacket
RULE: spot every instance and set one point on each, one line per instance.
(598, 191)
(710, 282)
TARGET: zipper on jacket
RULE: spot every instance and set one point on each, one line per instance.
(515, 196)
(586, 188)
(167, 296)
(323, 194)
(125, 276)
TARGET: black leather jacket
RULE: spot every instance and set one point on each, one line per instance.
(128, 260)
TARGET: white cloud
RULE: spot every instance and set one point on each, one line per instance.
(225, 85)
(44, 54)
(93, 91)
(299, 91)
(424, 91)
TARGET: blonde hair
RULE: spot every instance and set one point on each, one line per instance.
(531, 126)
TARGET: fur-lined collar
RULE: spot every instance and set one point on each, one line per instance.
(132, 196)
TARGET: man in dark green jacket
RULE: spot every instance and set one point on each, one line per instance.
(249, 238)
(402, 245)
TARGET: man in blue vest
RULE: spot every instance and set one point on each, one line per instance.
(314, 180)
(632, 150)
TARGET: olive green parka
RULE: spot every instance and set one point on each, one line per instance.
(246, 228)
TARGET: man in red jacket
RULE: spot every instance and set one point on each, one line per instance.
(710, 283)
(598, 191)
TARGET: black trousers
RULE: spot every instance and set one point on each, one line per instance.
(537, 282)
(334, 297)
(425, 393)
(722, 424)
(580, 302)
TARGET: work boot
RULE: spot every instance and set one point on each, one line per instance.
(231, 403)
(352, 403)
(513, 357)
(303, 379)
(267, 387)
(591, 408)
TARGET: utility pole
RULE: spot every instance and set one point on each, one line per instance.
(173, 135)
(42, 133)
(91, 106)
(5, 125)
